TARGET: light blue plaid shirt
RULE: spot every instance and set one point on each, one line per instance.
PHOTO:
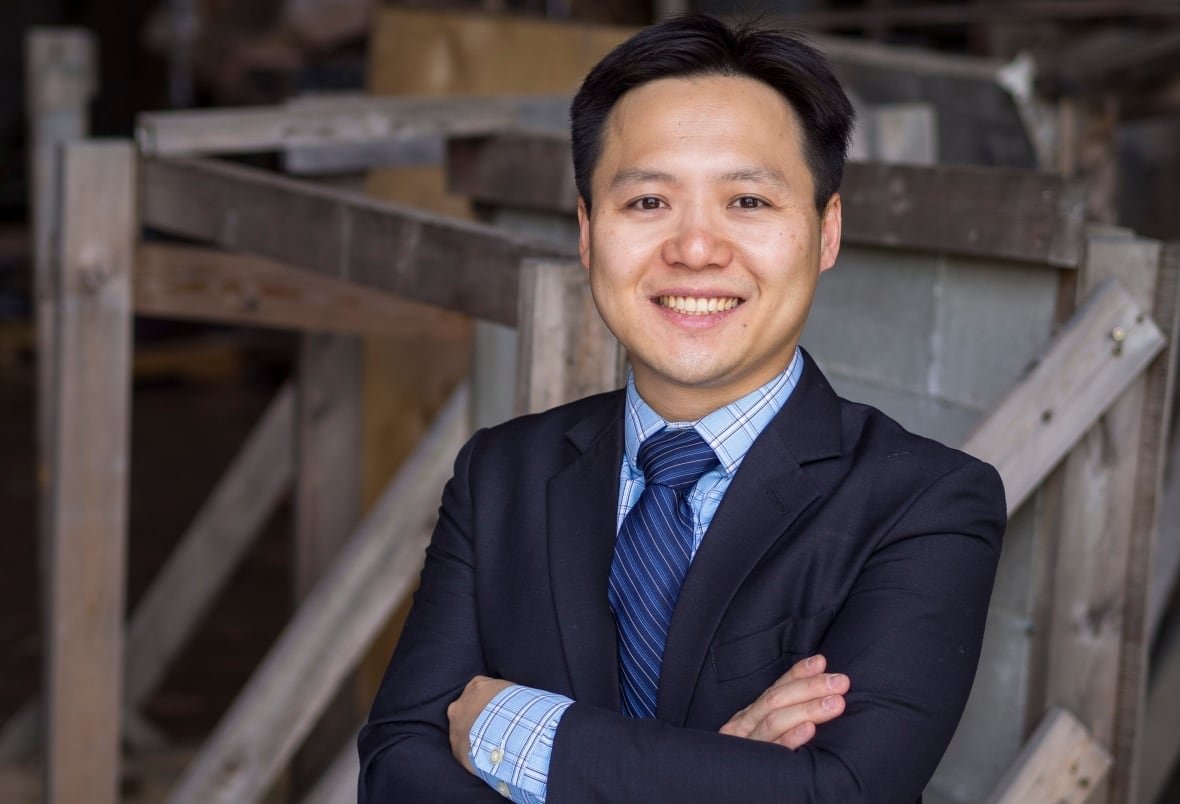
(512, 739)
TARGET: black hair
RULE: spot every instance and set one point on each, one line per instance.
(698, 45)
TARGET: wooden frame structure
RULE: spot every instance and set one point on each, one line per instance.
(286, 253)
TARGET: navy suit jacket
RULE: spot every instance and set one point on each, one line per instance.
(841, 534)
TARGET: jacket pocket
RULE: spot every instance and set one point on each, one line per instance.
(784, 642)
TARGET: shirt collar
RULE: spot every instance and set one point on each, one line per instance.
(729, 430)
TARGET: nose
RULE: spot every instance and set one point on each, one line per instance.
(698, 242)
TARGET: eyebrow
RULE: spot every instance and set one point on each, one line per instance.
(758, 175)
(639, 176)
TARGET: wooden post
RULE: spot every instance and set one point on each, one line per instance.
(1165, 555)
(60, 65)
(327, 503)
(61, 73)
(566, 352)
(86, 541)
(1096, 647)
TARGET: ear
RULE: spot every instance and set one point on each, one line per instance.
(830, 226)
(583, 233)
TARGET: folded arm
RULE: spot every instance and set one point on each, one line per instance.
(908, 637)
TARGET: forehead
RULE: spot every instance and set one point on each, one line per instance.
(711, 115)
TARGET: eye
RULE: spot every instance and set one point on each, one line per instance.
(749, 202)
(647, 202)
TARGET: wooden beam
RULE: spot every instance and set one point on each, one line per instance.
(333, 120)
(987, 212)
(565, 352)
(211, 549)
(61, 76)
(197, 570)
(331, 630)
(1084, 370)
(88, 522)
(1095, 648)
(1165, 554)
(205, 284)
(1061, 762)
(465, 267)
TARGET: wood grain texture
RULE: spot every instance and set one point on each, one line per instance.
(1081, 374)
(565, 350)
(1061, 763)
(988, 212)
(1096, 660)
(88, 523)
(205, 284)
(331, 630)
(465, 267)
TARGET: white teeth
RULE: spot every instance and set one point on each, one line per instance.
(693, 305)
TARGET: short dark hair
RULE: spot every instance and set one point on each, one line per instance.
(698, 45)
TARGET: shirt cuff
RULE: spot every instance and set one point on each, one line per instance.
(512, 740)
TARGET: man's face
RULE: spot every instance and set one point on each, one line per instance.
(704, 245)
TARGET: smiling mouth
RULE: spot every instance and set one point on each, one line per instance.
(693, 305)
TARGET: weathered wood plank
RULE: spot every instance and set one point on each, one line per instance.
(196, 571)
(332, 120)
(191, 282)
(61, 78)
(1062, 763)
(331, 630)
(565, 350)
(988, 212)
(1165, 555)
(209, 551)
(1096, 654)
(88, 522)
(1082, 373)
(465, 267)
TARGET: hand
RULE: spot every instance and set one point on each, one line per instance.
(463, 712)
(789, 711)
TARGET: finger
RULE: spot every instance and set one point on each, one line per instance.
(797, 737)
(782, 721)
(742, 721)
(804, 668)
(783, 697)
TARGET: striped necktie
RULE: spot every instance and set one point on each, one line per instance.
(652, 554)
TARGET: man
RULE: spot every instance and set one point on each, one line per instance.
(723, 583)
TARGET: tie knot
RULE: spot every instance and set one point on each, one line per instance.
(675, 458)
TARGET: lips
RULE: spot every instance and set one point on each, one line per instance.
(698, 305)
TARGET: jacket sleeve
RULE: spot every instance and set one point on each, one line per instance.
(908, 636)
(405, 753)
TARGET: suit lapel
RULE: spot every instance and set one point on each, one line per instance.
(582, 499)
(771, 489)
